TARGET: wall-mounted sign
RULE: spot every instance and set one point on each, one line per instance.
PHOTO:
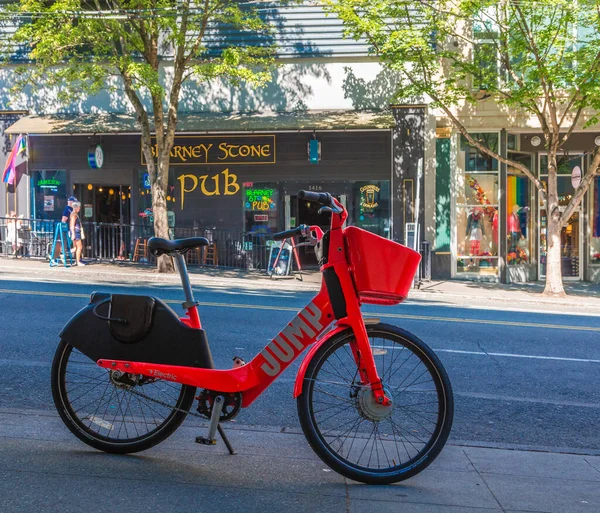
(261, 218)
(576, 177)
(220, 149)
(227, 185)
(314, 151)
(48, 203)
(88, 211)
(95, 156)
(146, 181)
(368, 198)
(260, 199)
(51, 183)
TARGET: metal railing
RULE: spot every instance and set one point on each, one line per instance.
(109, 242)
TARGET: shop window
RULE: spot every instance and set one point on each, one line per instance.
(49, 194)
(371, 206)
(476, 200)
(565, 163)
(477, 239)
(595, 223)
(518, 212)
(474, 160)
(261, 207)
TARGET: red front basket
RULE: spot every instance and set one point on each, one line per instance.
(383, 270)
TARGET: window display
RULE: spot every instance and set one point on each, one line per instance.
(518, 211)
(477, 223)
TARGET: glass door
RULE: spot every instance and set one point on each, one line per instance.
(571, 237)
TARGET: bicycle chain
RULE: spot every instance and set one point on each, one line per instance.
(157, 401)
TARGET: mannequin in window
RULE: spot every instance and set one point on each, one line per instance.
(474, 233)
(514, 226)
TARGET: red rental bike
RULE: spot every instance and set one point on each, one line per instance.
(374, 401)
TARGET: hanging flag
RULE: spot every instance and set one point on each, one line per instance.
(17, 156)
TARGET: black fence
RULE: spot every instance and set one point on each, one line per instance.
(33, 238)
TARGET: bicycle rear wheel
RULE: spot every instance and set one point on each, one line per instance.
(365, 441)
(113, 412)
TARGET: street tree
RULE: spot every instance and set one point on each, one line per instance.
(146, 50)
(540, 58)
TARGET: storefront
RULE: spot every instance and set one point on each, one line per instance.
(498, 222)
(244, 184)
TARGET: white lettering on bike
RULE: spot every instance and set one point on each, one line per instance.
(163, 375)
(295, 336)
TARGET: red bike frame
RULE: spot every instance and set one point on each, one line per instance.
(305, 329)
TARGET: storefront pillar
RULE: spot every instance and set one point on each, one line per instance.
(407, 149)
(503, 234)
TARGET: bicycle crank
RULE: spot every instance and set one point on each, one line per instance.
(129, 381)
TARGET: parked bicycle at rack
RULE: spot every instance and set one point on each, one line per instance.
(373, 400)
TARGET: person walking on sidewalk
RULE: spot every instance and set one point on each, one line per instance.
(65, 220)
(76, 232)
(12, 233)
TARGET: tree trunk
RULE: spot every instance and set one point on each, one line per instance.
(161, 220)
(554, 283)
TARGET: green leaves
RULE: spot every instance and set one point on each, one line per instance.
(149, 46)
(522, 54)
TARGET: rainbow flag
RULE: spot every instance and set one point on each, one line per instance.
(17, 156)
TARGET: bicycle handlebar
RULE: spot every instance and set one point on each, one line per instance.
(323, 198)
(290, 233)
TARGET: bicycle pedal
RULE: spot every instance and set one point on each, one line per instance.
(205, 441)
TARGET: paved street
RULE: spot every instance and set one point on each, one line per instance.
(523, 379)
(520, 378)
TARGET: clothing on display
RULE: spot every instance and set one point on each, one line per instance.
(475, 232)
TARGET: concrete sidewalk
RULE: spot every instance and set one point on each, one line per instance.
(582, 296)
(43, 468)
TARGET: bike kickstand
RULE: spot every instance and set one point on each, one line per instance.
(226, 440)
(214, 423)
(214, 426)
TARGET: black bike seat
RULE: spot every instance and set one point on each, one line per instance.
(158, 246)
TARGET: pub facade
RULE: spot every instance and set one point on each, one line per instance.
(227, 185)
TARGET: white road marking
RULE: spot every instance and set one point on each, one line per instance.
(483, 353)
(511, 355)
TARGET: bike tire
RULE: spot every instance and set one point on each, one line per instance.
(322, 438)
(95, 429)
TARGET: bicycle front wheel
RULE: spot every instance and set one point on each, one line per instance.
(115, 412)
(365, 441)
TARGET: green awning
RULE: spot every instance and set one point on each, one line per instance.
(207, 122)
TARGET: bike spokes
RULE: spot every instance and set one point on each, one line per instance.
(355, 430)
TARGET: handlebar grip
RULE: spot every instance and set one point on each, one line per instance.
(323, 198)
(288, 233)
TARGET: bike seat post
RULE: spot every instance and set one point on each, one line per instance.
(190, 302)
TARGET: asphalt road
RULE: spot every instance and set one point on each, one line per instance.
(521, 379)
